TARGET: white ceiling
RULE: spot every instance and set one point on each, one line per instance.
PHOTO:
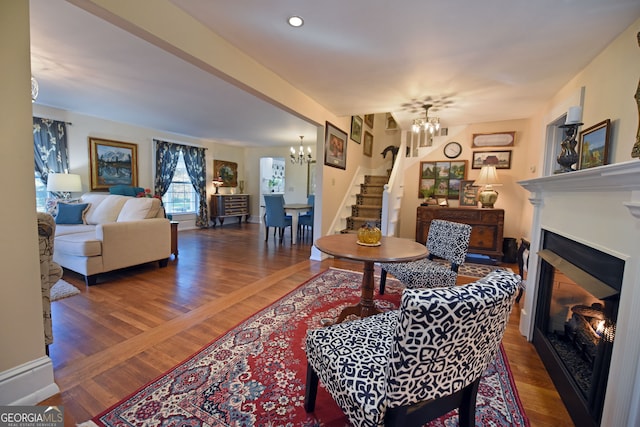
(476, 61)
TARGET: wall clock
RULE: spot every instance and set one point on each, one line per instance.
(452, 150)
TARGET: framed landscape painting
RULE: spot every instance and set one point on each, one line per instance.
(441, 179)
(356, 129)
(594, 145)
(228, 171)
(112, 163)
(501, 159)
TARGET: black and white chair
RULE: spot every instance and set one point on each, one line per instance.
(446, 239)
(409, 366)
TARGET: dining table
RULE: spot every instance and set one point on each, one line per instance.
(389, 249)
(295, 209)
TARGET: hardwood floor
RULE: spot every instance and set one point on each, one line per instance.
(137, 323)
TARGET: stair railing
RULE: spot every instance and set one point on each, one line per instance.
(340, 220)
(393, 191)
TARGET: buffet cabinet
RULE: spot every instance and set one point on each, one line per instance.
(229, 205)
(487, 227)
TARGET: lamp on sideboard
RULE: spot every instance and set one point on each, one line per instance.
(487, 179)
(64, 183)
(217, 183)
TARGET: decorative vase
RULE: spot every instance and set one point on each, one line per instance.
(241, 185)
(369, 234)
(568, 156)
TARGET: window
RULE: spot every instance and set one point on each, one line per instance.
(41, 194)
(180, 197)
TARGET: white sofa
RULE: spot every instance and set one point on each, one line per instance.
(116, 232)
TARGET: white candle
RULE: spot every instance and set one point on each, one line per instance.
(574, 115)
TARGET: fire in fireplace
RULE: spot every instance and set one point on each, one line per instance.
(575, 323)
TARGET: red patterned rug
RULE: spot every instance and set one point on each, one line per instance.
(254, 375)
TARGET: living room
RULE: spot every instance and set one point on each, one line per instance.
(603, 98)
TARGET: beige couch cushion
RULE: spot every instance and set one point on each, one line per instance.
(107, 210)
(139, 208)
(62, 229)
(79, 244)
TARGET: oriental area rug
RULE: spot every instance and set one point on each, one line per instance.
(254, 374)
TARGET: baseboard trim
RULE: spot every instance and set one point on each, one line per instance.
(29, 383)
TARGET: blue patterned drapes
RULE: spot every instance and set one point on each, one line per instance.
(50, 147)
(167, 155)
(196, 168)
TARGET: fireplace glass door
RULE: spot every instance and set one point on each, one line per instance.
(576, 313)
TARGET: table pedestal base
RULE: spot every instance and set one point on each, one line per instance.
(366, 307)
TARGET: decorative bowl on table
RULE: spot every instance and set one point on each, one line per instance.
(369, 235)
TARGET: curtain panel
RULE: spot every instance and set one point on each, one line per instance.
(51, 153)
(167, 156)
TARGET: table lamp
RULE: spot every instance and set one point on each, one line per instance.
(217, 183)
(488, 178)
(64, 183)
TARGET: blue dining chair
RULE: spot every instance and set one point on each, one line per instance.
(275, 215)
(305, 221)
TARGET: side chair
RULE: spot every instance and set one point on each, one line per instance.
(446, 239)
(305, 221)
(409, 366)
(275, 215)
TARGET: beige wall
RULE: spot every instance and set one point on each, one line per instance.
(21, 330)
(610, 82)
(511, 196)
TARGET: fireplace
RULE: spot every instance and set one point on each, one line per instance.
(578, 298)
(599, 209)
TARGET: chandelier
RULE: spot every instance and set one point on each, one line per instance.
(300, 157)
(430, 124)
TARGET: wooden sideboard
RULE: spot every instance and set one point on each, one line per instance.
(229, 205)
(486, 232)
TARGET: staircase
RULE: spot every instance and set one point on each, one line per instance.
(368, 207)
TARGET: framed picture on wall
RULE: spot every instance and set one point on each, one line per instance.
(441, 179)
(112, 163)
(501, 159)
(311, 178)
(594, 145)
(496, 139)
(335, 147)
(356, 129)
(368, 119)
(468, 193)
(367, 149)
(227, 171)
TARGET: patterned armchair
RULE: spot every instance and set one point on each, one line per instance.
(50, 272)
(412, 365)
(446, 239)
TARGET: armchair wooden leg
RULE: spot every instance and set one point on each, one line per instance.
(383, 280)
(467, 411)
(311, 389)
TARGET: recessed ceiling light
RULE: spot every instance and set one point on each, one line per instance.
(296, 21)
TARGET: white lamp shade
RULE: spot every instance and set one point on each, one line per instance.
(64, 182)
(488, 176)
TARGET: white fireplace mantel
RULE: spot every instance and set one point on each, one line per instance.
(598, 207)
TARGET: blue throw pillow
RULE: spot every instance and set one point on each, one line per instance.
(125, 190)
(71, 213)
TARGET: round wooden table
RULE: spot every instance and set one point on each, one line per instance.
(392, 249)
